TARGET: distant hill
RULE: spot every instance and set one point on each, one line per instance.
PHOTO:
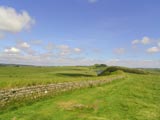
(15, 65)
(112, 69)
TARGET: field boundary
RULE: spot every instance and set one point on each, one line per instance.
(39, 91)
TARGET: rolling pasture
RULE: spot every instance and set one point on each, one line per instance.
(20, 76)
(135, 97)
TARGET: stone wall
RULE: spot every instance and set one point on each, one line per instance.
(39, 91)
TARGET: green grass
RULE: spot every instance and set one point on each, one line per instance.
(111, 69)
(133, 98)
(12, 76)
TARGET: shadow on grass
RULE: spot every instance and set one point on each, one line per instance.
(73, 75)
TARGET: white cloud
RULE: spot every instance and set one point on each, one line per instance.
(12, 50)
(19, 55)
(24, 45)
(64, 47)
(77, 50)
(49, 59)
(119, 51)
(153, 50)
(64, 50)
(145, 40)
(67, 50)
(12, 21)
(135, 42)
(23, 53)
(92, 1)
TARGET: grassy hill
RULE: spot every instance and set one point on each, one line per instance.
(12, 76)
(119, 69)
(134, 98)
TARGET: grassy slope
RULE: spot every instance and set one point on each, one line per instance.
(133, 98)
(11, 76)
(111, 69)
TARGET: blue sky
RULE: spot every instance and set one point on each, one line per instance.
(80, 32)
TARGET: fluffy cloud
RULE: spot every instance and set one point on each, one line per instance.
(12, 50)
(153, 50)
(64, 47)
(41, 59)
(135, 41)
(12, 21)
(67, 50)
(64, 50)
(26, 48)
(77, 50)
(144, 41)
(24, 53)
(147, 40)
(23, 45)
(49, 59)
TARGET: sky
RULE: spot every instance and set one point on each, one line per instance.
(80, 32)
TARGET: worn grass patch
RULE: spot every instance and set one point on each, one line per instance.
(73, 105)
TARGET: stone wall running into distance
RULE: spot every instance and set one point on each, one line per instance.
(34, 92)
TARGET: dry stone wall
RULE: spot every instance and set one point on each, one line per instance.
(35, 92)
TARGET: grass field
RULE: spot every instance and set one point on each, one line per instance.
(134, 98)
(13, 76)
